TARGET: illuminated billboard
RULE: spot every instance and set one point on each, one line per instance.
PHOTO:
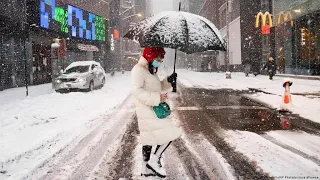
(69, 19)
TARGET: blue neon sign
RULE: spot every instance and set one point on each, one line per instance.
(78, 22)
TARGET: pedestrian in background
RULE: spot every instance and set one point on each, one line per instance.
(255, 67)
(247, 68)
(155, 134)
(271, 67)
(210, 67)
(202, 66)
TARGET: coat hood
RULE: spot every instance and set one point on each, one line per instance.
(142, 61)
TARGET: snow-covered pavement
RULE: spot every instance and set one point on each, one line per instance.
(33, 129)
(93, 135)
(280, 154)
(307, 106)
(272, 159)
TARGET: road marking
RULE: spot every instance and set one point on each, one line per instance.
(235, 107)
(195, 108)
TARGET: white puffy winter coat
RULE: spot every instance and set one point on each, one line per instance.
(146, 89)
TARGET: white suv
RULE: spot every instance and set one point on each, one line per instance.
(81, 75)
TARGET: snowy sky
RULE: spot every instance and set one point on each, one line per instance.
(161, 5)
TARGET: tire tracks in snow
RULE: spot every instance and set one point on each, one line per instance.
(207, 162)
(215, 133)
(180, 161)
(85, 169)
(193, 166)
(122, 162)
(215, 164)
(199, 122)
(241, 166)
(81, 160)
(126, 162)
(290, 148)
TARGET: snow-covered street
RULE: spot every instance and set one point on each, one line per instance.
(305, 104)
(159, 89)
(35, 128)
(229, 130)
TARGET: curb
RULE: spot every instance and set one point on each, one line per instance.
(299, 77)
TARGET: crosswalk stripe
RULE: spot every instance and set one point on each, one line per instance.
(195, 108)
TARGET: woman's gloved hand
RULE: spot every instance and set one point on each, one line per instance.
(163, 97)
(172, 78)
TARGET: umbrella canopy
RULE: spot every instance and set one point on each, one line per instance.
(180, 30)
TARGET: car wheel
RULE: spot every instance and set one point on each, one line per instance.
(91, 86)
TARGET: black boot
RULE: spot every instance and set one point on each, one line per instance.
(146, 152)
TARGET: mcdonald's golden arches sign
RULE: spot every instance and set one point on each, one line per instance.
(285, 16)
(265, 26)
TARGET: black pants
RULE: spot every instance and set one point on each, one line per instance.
(146, 151)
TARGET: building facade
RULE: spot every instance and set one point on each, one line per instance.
(290, 35)
(81, 30)
(132, 50)
(256, 46)
(29, 27)
(13, 41)
(236, 22)
(297, 41)
(219, 12)
(124, 14)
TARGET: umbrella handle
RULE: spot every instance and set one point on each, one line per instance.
(174, 87)
(174, 83)
(175, 60)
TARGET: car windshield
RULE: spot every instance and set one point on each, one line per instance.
(77, 69)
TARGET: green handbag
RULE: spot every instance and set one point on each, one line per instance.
(162, 110)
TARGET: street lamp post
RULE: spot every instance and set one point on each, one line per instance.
(54, 61)
(26, 33)
(229, 9)
(121, 46)
(24, 29)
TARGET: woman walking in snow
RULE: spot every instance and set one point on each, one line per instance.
(155, 134)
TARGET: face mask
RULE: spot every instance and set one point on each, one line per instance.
(155, 64)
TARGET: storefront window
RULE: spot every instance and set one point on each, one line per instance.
(297, 42)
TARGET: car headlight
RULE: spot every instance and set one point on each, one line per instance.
(58, 81)
(82, 80)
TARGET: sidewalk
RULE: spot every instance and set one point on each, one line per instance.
(299, 76)
(34, 128)
(15, 94)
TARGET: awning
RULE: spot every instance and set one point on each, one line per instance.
(85, 47)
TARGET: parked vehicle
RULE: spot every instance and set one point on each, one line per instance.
(81, 75)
